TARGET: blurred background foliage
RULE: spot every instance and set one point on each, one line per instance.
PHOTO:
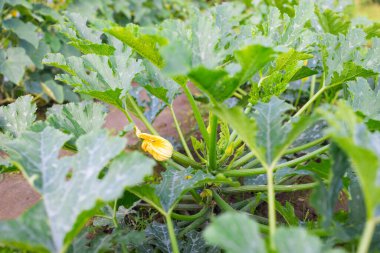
(30, 29)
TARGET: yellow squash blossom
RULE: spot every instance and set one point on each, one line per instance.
(160, 148)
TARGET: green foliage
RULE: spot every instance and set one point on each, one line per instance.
(290, 90)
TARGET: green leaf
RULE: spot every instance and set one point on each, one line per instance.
(157, 84)
(287, 212)
(361, 146)
(267, 136)
(296, 240)
(25, 31)
(372, 31)
(67, 202)
(325, 198)
(36, 54)
(363, 99)
(350, 72)
(159, 236)
(13, 62)
(271, 133)
(333, 22)
(53, 90)
(93, 74)
(176, 183)
(77, 118)
(340, 59)
(287, 66)
(219, 85)
(145, 45)
(17, 117)
(235, 232)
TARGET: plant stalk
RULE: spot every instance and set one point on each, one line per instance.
(172, 236)
(271, 207)
(181, 137)
(212, 143)
(365, 240)
(197, 114)
(257, 171)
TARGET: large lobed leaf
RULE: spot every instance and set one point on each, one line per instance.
(266, 135)
(67, 201)
(361, 146)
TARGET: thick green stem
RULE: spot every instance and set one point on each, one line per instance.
(366, 238)
(257, 171)
(212, 143)
(190, 217)
(173, 239)
(181, 137)
(221, 203)
(141, 115)
(271, 207)
(277, 188)
(185, 161)
(197, 114)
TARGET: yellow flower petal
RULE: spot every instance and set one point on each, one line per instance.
(160, 148)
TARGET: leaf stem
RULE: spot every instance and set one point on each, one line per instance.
(181, 137)
(193, 225)
(310, 102)
(190, 217)
(257, 171)
(172, 236)
(197, 114)
(221, 203)
(212, 143)
(114, 220)
(141, 115)
(365, 240)
(277, 188)
(271, 207)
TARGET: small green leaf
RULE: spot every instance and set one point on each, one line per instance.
(25, 31)
(333, 22)
(17, 117)
(175, 183)
(363, 99)
(145, 45)
(13, 62)
(235, 232)
(77, 118)
(219, 85)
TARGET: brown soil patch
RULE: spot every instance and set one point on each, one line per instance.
(16, 195)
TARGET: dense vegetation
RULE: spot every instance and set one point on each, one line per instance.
(287, 110)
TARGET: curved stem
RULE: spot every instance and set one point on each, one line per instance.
(221, 203)
(141, 115)
(181, 137)
(189, 217)
(257, 171)
(172, 236)
(197, 114)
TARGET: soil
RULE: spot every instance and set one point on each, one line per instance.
(16, 195)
